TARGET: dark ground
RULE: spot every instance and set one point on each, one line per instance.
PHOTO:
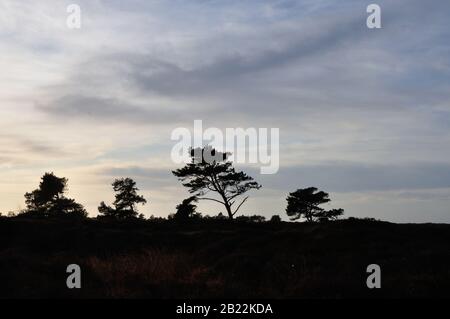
(211, 259)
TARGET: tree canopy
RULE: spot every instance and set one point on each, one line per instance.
(211, 172)
(304, 203)
(187, 209)
(126, 200)
(49, 200)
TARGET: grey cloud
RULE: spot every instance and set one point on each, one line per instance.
(107, 110)
(228, 71)
(321, 66)
(332, 177)
(4, 160)
(145, 177)
(40, 148)
(22, 145)
(425, 196)
(359, 177)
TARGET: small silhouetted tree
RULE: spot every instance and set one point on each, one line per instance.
(251, 219)
(126, 200)
(275, 219)
(331, 214)
(211, 172)
(107, 211)
(49, 200)
(187, 209)
(304, 203)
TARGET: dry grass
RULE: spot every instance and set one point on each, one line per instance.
(231, 260)
(145, 273)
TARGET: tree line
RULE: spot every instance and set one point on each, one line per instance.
(214, 180)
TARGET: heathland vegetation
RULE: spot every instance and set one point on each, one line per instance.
(124, 254)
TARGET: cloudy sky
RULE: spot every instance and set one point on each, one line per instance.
(363, 114)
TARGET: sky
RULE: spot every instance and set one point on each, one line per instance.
(363, 114)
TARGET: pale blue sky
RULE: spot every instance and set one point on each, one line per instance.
(363, 114)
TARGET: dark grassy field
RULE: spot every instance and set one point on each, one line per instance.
(210, 259)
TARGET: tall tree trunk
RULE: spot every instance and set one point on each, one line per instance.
(226, 204)
(230, 214)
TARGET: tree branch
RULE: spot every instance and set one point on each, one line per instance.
(214, 200)
(235, 195)
(240, 205)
